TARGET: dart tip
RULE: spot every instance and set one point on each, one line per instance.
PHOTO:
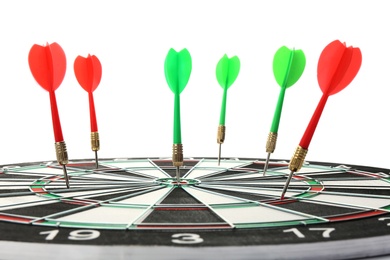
(96, 160)
(266, 164)
(219, 154)
(286, 185)
(178, 174)
(66, 176)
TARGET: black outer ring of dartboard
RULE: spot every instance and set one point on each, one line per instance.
(366, 237)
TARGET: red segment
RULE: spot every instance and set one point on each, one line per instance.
(316, 188)
(178, 226)
(15, 219)
(80, 202)
(190, 208)
(39, 190)
(358, 215)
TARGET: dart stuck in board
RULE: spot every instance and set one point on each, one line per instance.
(337, 67)
(288, 66)
(88, 72)
(48, 66)
(177, 68)
(226, 72)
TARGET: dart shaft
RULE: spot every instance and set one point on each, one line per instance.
(222, 116)
(278, 111)
(94, 127)
(55, 117)
(176, 120)
(308, 135)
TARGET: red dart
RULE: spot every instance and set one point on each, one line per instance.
(337, 67)
(48, 66)
(88, 72)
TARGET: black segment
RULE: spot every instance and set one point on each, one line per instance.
(42, 210)
(183, 215)
(317, 209)
(179, 196)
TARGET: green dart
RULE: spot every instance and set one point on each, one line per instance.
(177, 69)
(288, 66)
(227, 71)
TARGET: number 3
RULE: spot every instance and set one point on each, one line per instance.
(186, 238)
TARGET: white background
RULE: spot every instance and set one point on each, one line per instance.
(135, 106)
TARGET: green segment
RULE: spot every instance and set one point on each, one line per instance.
(177, 68)
(288, 66)
(226, 71)
(279, 223)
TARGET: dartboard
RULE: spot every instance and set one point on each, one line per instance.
(135, 207)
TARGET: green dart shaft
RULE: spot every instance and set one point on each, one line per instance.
(223, 107)
(176, 120)
(278, 111)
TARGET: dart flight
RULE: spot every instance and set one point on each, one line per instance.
(288, 66)
(48, 66)
(226, 72)
(88, 72)
(337, 67)
(177, 68)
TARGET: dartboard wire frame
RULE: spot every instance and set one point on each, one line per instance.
(258, 249)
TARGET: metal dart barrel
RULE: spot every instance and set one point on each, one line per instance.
(270, 148)
(62, 158)
(95, 145)
(220, 139)
(295, 165)
(177, 159)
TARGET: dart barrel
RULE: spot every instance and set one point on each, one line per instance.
(95, 142)
(61, 152)
(271, 142)
(221, 134)
(177, 155)
(298, 159)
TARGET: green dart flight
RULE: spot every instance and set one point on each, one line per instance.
(177, 67)
(288, 66)
(227, 71)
